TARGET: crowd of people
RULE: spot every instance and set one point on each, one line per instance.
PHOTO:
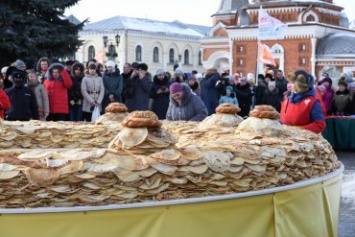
(70, 91)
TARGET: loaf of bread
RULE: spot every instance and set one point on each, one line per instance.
(227, 108)
(264, 111)
(139, 119)
(116, 107)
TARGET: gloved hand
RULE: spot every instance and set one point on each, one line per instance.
(72, 103)
(79, 102)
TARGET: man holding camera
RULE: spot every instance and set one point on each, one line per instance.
(160, 94)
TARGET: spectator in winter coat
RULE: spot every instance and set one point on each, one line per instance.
(341, 100)
(260, 89)
(281, 82)
(320, 90)
(23, 100)
(302, 108)
(138, 88)
(184, 105)
(328, 95)
(113, 83)
(75, 97)
(5, 103)
(160, 94)
(126, 74)
(209, 93)
(93, 90)
(57, 84)
(244, 96)
(41, 95)
(352, 104)
(272, 96)
(42, 68)
(194, 84)
(229, 97)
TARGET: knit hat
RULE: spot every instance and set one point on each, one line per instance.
(322, 88)
(19, 64)
(272, 83)
(229, 88)
(160, 72)
(176, 87)
(92, 65)
(326, 79)
(342, 82)
(110, 64)
(4, 69)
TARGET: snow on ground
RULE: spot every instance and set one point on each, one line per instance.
(348, 188)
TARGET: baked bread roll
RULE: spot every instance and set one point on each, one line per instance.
(116, 107)
(227, 108)
(264, 111)
(139, 119)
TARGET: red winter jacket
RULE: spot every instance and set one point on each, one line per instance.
(5, 103)
(300, 114)
(58, 92)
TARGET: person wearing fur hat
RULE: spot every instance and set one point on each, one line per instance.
(302, 108)
(23, 100)
(77, 74)
(329, 93)
(113, 83)
(57, 84)
(42, 68)
(209, 92)
(341, 99)
(185, 105)
(160, 94)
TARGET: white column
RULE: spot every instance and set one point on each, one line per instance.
(231, 56)
(313, 56)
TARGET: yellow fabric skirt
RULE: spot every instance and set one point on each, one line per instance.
(307, 208)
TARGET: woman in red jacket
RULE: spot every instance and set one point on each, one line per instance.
(5, 103)
(57, 84)
(302, 108)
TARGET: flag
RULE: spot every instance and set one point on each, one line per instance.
(265, 55)
(270, 28)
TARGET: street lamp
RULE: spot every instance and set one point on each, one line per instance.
(112, 53)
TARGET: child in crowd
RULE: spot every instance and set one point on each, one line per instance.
(229, 97)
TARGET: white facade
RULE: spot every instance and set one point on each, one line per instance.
(139, 46)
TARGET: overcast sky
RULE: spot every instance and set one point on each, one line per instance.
(187, 11)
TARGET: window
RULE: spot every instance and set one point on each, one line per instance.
(241, 49)
(155, 55)
(199, 58)
(303, 61)
(240, 62)
(139, 53)
(303, 47)
(112, 54)
(171, 56)
(186, 57)
(91, 52)
(310, 18)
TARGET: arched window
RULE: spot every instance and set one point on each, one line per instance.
(171, 56)
(186, 57)
(112, 54)
(91, 52)
(139, 53)
(310, 18)
(155, 55)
